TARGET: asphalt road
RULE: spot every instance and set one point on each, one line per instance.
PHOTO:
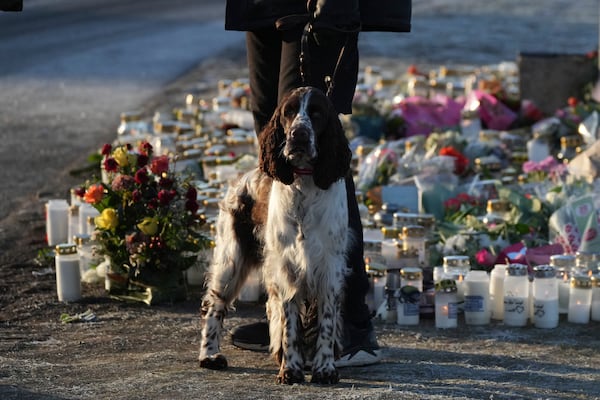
(69, 67)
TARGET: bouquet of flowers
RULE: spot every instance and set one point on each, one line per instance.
(148, 224)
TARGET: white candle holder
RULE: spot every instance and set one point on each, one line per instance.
(580, 299)
(563, 264)
(68, 278)
(545, 297)
(497, 291)
(477, 298)
(516, 296)
(446, 311)
(57, 221)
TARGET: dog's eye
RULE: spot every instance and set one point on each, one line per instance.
(315, 113)
(289, 112)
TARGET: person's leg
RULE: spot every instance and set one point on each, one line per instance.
(263, 50)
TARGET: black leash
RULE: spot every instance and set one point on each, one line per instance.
(305, 60)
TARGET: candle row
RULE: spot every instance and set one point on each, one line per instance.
(507, 294)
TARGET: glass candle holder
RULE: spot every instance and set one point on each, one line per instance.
(516, 295)
(477, 298)
(73, 223)
(456, 268)
(563, 265)
(68, 278)
(446, 311)
(497, 291)
(580, 299)
(545, 297)
(391, 250)
(409, 296)
(375, 267)
(586, 262)
(414, 240)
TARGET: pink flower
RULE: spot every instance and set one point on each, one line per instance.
(122, 183)
(485, 258)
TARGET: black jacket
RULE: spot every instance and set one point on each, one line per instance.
(343, 15)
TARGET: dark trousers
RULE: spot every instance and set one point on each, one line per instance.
(274, 69)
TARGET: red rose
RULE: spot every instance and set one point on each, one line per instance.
(165, 196)
(136, 196)
(110, 165)
(192, 206)
(141, 176)
(191, 194)
(142, 160)
(572, 101)
(160, 165)
(165, 183)
(145, 148)
(106, 149)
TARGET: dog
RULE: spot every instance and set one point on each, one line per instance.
(289, 218)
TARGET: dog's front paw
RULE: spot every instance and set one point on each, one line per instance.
(216, 361)
(325, 376)
(289, 376)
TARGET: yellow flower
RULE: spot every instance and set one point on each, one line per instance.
(148, 226)
(121, 156)
(107, 220)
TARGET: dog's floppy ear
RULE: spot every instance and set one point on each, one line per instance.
(334, 154)
(270, 158)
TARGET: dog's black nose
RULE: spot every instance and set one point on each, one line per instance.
(299, 135)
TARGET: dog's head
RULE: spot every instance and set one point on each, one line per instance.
(305, 136)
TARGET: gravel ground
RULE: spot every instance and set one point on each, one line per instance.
(137, 352)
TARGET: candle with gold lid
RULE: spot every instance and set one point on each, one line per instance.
(68, 278)
(446, 311)
(409, 296)
(516, 295)
(545, 297)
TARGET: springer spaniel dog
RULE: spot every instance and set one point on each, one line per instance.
(288, 217)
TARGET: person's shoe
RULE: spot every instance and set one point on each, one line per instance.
(253, 337)
(362, 348)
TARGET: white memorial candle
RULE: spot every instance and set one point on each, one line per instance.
(563, 264)
(57, 221)
(497, 291)
(68, 278)
(445, 304)
(477, 292)
(250, 292)
(580, 300)
(409, 296)
(545, 297)
(516, 295)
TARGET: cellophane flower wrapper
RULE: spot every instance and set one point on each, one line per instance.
(378, 166)
(422, 115)
(436, 183)
(575, 226)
